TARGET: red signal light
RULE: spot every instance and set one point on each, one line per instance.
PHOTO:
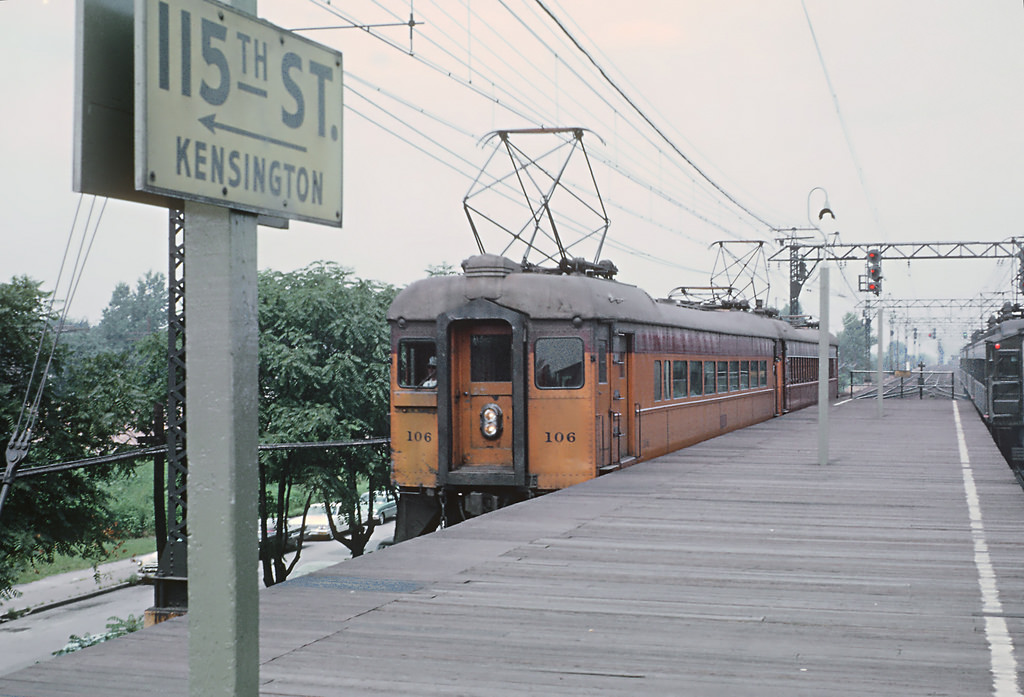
(997, 347)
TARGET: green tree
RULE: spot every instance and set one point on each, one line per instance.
(131, 316)
(65, 512)
(324, 376)
(854, 347)
(442, 269)
(135, 314)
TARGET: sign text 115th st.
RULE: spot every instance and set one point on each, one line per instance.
(237, 112)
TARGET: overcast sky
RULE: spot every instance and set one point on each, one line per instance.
(918, 138)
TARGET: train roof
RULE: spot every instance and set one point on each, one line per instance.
(565, 296)
(1000, 330)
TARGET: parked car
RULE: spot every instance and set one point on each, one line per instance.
(291, 538)
(385, 507)
(317, 527)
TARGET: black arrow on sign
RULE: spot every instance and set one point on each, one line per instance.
(211, 123)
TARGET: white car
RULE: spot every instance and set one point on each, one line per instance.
(317, 526)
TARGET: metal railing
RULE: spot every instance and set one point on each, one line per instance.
(900, 383)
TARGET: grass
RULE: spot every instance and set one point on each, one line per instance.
(63, 563)
(132, 501)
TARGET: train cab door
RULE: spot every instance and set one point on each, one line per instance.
(1005, 404)
(621, 421)
(482, 396)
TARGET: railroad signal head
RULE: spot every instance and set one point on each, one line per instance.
(874, 271)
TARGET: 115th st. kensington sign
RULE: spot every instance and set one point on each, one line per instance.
(237, 112)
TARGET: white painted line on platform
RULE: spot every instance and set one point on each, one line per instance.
(1000, 643)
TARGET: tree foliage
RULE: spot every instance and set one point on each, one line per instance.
(324, 352)
(101, 387)
(63, 512)
(324, 376)
(854, 347)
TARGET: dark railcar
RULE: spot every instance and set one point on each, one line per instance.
(990, 374)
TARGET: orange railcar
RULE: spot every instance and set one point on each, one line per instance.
(506, 383)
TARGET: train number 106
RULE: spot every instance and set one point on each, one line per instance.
(559, 437)
(419, 436)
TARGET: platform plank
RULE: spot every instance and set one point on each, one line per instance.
(735, 567)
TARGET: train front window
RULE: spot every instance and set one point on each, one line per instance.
(558, 362)
(417, 363)
(490, 358)
(1008, 364)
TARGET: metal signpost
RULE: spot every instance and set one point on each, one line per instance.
(237, 118)
(824, 351)
(881, 365)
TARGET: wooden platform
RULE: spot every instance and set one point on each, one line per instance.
(735, 567)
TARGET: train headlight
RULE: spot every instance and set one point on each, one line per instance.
(490, 421)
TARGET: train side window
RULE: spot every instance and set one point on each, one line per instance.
(679, 375)
(417, 363)
(755, 375)
(696, 378)
(723, 376)
(744, 374)
(709, 377)
(734, 376)
(602, 362)
(764, 373)
(490, 358)
(558, 362)
(657, 381)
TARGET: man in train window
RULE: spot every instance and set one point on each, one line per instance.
(431, 379)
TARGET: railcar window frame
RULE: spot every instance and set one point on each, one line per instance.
(680, 379)
(709, 377)
(696, 378)
(722, 379)
(657, 381)
(490, 357)
(542, 361)
(744, 375)
(734, 376)
(414, 366)
(764, 373)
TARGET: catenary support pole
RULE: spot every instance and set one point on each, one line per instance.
(881, 355)
(823, 367)
(221, 344)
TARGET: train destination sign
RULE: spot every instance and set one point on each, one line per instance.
(237, 112)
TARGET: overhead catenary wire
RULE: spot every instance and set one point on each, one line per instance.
(527, 111)
(468, 173)
(646, 119)
(22, 437)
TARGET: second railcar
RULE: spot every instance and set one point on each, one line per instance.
(990, 375)
(508, 383)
